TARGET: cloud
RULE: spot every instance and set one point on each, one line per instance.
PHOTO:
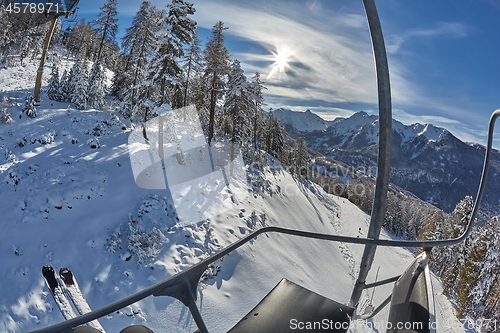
(457, 128)
(442, 29)
(331, 60)
(328, 63)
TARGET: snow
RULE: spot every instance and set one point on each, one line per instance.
(73, 204)
(354, 125)
(432, 133)
(80, 303)
(301, 121)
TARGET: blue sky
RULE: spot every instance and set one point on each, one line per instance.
(443, 55)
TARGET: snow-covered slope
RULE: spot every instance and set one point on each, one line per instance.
(69, 199)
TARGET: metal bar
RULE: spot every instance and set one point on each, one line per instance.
(384, 146)
(195, 312)
(39, 73)
(193, 270)
(380, 283)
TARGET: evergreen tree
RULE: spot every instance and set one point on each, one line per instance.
(138, 44)
(301, 156)
(54, 87)
(144, 108)
(97, 87)
(483, 299)
(5, 110)
(237, 105)
(216, 70)
(19, 35)
(455, 256)
(165, 72)
(107, 26)
(78, 84)
(274, 136)
(468, 275)
(82, 40)
(192, 68)
(256, 88)
(432, 229)
(64, 87)
(29, 106)
(5, 29)
(120, 83)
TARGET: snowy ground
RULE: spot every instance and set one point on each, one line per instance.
(69, 199)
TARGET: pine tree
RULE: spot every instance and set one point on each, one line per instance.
(455, 256)
(97, 87)
(274, 136)
(78, 84)
(64, 87)
(5, 30)
(144, 105)
(256, 88)
(484, 300)
(468, 274)
(192, 68)
(216, 70)
(120, 83)
(165, 72)
(301, 156)
(29, 106)
(82, 40)
(237, 105)
(19, 34)
(138, 44)
(107, 26)
(54, 87)
(5, 111)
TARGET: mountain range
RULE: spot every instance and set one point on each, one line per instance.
(427, 160)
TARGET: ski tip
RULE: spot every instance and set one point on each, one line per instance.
(47, 269)
(66, 275)
(64, 270)
(50, 276)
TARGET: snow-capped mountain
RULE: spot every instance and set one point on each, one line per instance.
(298, 122)
(426, 160)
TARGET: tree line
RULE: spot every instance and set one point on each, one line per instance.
(162, 61)
(469, 270)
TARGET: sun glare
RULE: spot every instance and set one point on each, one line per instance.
(281, 62)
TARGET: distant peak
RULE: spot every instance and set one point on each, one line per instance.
(301, 121)
(363, 114)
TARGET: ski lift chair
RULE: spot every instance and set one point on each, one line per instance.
(411, 302)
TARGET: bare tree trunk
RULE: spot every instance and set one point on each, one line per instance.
(212, 112)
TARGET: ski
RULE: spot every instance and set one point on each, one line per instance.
(75, 294)
(57, 292)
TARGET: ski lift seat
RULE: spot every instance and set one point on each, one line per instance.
(412, 303)
(288, 307)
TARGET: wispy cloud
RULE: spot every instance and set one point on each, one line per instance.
(442, 29)
(457, 128)
(330, 64)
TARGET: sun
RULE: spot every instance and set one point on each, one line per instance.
(281, 60)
